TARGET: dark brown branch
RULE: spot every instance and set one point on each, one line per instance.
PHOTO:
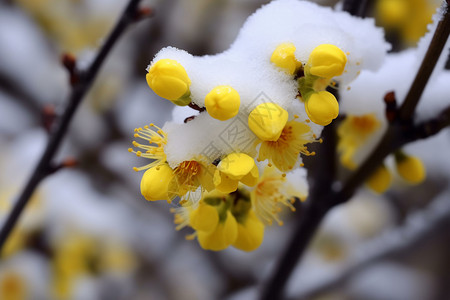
(322, 176)
(356, 7)
(79, 90)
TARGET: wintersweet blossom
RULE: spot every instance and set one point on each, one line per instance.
(267, 121)
(353, 133)
(238, 219)
(168, 79)
(222, 103)
(410, 168)
(255, 101)
(380, 180)
(284, 57)
(235, 168)
(285, 151)
(322, 107)
(326, 61)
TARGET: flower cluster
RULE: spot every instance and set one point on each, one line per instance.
(261, 103)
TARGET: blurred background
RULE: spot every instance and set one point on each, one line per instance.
(89, 234)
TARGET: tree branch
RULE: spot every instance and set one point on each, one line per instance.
(79, 90)
(400, 131)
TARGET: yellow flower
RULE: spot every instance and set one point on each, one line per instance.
(169, 80)
(408, 18)
(284, 58)
(116, 257)
(267, 121)
(410, 168)
(73, 254)
(223, 102)
(223, 235)
(154, 150)
(285, 151)
(380, 180)
(13, 286)
(155, 183)
(204, 218)
(233, 168)
(188, 176)
(250, 232)
(272, 193)
(326, 61)
(353, 133)
(322, 107)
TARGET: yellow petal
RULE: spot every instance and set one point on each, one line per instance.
(223, 102)
(168, 79)
(155, 182)
(250, 233)
(204, 218)
(223, 236)
(327, 61)
(380, 180)
(236, 165)
(225, 184)
(267, 121)
(322, 108)
(284, 58)
(251, 179)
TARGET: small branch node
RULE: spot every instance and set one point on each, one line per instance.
(143, 13)
(48, 116)
(391, 106)
(69, 61)
(69, 162)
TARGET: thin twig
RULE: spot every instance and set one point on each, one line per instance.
(79, 90)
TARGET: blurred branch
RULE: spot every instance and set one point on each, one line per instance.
(356, 7)
(400, 131)
(79, 90)
(10, 87)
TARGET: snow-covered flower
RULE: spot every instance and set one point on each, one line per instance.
(257, 101)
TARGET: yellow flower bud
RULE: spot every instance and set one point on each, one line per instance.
(233, 168)
(284, 58)
(392, 12)
(169, 80)
(223, 102)
(322, 107)
(223, 236)
(204, 218)
(155, 182)
(326, 61)
(410, 168)
(250, 233)
(267, 121)
(380, 180)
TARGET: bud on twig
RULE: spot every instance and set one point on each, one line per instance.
(144, 12)
(70, 63)
(48, 117)
(391, 106)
